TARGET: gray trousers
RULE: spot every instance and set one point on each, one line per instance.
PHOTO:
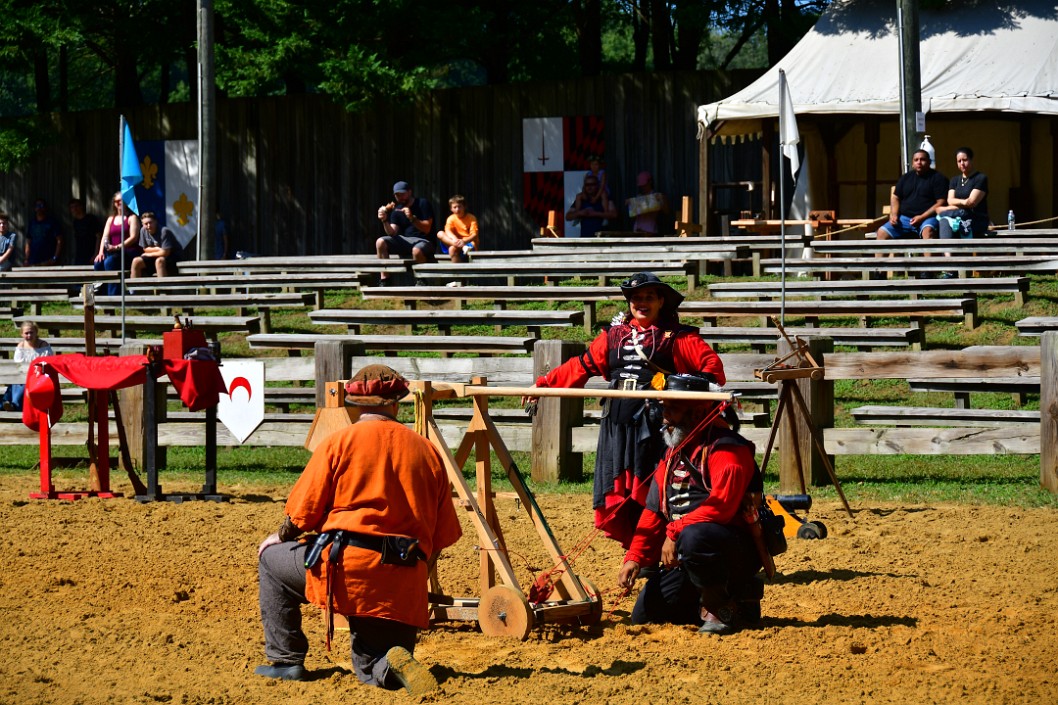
(281, 582)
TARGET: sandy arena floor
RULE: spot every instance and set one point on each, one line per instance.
(111, 601)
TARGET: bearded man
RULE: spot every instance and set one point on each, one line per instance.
(694, 523)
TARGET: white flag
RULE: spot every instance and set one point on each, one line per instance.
(789, 137)
(242, 408)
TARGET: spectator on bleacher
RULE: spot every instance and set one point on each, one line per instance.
(222, 238)
(86, 232)
(915, 200)
(28, 349)
(7, 244)
(647, 206)
(159, 249)
(44, 238)
(406, 221)
(966, 213)
(645, 340)
(595, 168)
(121, 232)
(592, 207)
(460, 234)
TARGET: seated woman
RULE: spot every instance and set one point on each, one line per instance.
(112, 243)
(28, 349)
(966, 214)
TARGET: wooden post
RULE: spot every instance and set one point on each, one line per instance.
(1049, 411)
(819, 398)
(131, 400)
(552, 455)
(686, 226)
(333, 360)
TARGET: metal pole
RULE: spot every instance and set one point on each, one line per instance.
(124, 220)
(910, 78)
(207, 133)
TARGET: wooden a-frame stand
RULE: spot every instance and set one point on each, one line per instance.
(503, 608)
(790, 398)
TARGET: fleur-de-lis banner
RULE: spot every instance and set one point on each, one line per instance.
(170, 184)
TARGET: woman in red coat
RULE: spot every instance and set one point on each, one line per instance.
(638, 344)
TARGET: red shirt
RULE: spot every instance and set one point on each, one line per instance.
(730, 467)
(690, 352)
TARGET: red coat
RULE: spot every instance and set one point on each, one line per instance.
(731, 468)
(376, 477)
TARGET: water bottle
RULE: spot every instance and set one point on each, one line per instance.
(1010, 220)
(927, 147)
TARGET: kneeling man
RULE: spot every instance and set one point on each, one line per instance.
(694, 523)
(377, 496)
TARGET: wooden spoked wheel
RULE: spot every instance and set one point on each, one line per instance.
(595, 615)
(504, 611)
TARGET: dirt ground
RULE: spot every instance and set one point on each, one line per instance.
(112, 601)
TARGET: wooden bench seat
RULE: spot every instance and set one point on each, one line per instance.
(348, 264)
(63, 346)
(262, 302)
(940, 416)
(762, 338)
(247, 283)
(49, 277)
(445, 319)
(1035, 326)
(915, 309)
(1003, 246)
(703, 252)
(480, 345)
(212, 325)
(556, 270)
(1018, 286)
(31, 299)
(963, 387)
(867, 265)
(412, 296)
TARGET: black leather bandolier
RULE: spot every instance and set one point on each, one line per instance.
(687, 480)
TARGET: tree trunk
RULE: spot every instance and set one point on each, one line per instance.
(661, 31)
(640, 33)
(589, 29)
(127, 91)
(41, 80)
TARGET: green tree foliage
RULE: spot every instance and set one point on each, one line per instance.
(59, 55)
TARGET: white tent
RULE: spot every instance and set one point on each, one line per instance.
(989, 71)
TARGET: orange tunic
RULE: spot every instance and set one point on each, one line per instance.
(375, 477)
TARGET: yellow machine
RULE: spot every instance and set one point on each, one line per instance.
(785, 505)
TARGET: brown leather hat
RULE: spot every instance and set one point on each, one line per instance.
(375, 385)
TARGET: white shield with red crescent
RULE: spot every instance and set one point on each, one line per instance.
(242, 408)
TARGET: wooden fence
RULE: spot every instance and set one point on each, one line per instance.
(298, 175)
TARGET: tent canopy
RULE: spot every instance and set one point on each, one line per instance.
(976, 55)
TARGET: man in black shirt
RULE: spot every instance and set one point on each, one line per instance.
(87, 229)
(915, 200)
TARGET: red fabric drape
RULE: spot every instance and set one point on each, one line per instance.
(198, 382)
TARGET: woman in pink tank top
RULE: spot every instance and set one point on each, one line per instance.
(111, 244)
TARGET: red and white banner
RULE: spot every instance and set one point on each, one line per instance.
(242, 408)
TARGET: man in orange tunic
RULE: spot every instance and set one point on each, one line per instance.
(378, 494)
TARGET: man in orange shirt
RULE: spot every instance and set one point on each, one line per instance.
(378, 497)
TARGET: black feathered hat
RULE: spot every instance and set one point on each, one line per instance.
(672, 297)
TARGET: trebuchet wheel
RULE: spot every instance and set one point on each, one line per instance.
(504, 611)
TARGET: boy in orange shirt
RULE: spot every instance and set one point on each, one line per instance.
(460, 235)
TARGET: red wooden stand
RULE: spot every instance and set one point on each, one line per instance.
(102, 477)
